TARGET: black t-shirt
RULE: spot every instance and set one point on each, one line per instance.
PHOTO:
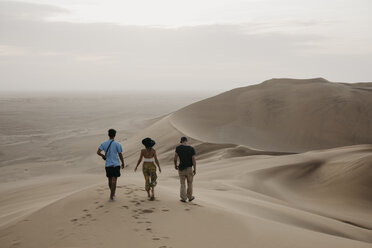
(185, 153)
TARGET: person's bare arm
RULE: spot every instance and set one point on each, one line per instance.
(121, 159)
(194, 164)
(139, 160)
(99, 153)
(175, 160)
(157, 161)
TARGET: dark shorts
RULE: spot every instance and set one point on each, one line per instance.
(113, 171)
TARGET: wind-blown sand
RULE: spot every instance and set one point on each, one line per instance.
(249, 193)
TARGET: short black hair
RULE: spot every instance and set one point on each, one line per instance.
(183, 139)
(111, 133)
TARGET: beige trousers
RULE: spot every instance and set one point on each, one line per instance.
(186, 175)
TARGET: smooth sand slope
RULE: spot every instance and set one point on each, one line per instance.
(283, 115)
(231, 210)
(245, 197)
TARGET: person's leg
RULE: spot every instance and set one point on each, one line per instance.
(109, 182)
(116, 175)
(108, 175)
(147, 180)
(190, 178)
(183, 194)
(153, 178)
(152, 194)
(113, 187)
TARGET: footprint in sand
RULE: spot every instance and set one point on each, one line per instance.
(16, 243)
(148, 222)
(148, 229)
(165, 210)
(74, 220)
(220, 189)
(187, 209)
(125, 207)
(195, 204)
(85, 210)
(147, 211)
(100, 206)
(155, 238)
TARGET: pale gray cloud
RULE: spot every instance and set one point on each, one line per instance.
(26, 11)
(9, 51)
(45, 55)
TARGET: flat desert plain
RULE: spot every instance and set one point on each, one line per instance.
(285, 163)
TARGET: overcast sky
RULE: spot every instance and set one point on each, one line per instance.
(119, 45)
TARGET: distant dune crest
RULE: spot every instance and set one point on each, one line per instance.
(287, 115)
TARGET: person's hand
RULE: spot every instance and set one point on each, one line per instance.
(122, 166)
(135, 169)
(194, 172)
(176, 167)
(159, 170)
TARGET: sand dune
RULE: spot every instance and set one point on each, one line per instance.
(251, 189)
(283, 115)
(335, 183)
(231, 210)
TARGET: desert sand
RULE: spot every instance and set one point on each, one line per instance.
(286, 163)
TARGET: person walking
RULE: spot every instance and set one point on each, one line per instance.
(112, 150)
(148, 168)
(186, 168)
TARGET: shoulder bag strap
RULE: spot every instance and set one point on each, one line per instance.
(108, 147)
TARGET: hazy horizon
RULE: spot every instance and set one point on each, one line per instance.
(208, 46)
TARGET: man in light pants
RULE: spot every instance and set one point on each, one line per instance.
(186, 168)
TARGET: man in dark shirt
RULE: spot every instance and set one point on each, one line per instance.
(186, 154)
